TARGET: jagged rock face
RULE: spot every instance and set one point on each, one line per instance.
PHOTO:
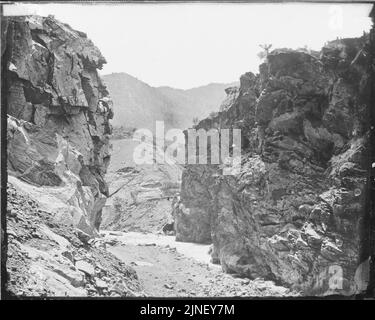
(59, 111)
(232, 95)
(294, 212)
(194, 219)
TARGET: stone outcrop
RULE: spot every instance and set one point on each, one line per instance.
(57, 155)
(58, 117)
(295, 212)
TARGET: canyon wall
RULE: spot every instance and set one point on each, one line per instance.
(295, 212)
(58, 118)
(58, 129)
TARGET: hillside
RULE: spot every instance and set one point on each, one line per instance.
(137, 104)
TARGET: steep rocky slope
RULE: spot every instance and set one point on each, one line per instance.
(295, 212)
(58, 116)
(47, 258)
(145, 192)
(57, 155)
(139, 105)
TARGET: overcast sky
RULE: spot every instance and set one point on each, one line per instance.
(187, 45)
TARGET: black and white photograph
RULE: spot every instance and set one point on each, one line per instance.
(187, 150)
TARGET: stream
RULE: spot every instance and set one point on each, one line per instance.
(167, 268)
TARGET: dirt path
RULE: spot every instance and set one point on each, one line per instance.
(167, 268)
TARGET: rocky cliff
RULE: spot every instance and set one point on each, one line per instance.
(58, 117)
(295, 213)
(57, 155)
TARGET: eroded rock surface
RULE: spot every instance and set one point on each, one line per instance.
(58, 152)
(59, 111)
(294, 212)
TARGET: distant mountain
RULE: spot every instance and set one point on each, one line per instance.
(137, 104)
